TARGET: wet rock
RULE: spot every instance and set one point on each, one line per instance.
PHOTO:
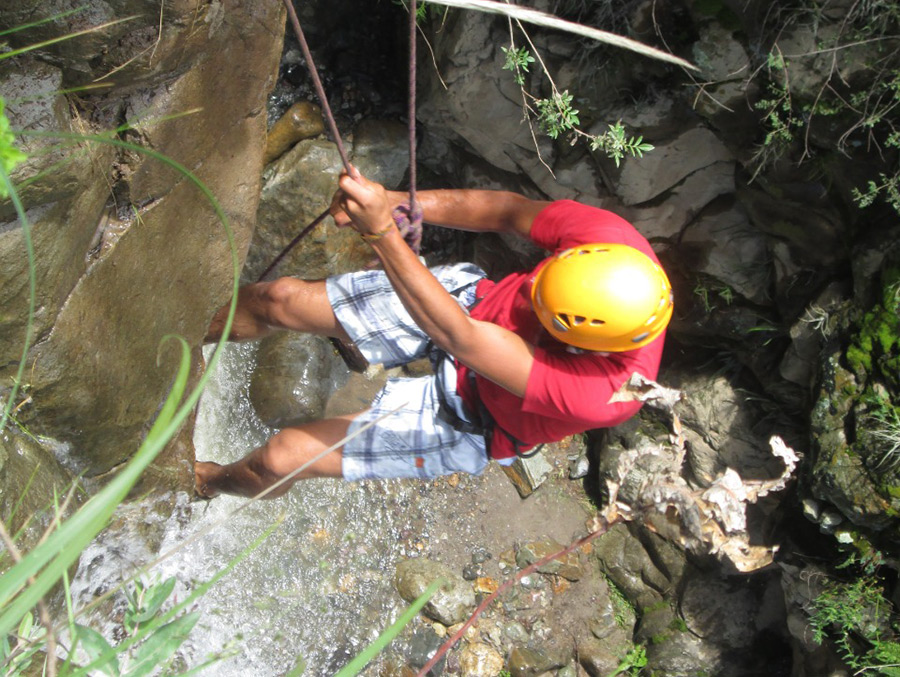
(100, 375)
(303, 120)
(525, 662)
(25, 463)
(471, 572)
(295, 374)
(568, 567)
(515, 633)
(299, 186)
(381, 148)
(597, 658)
(643, 570)
(480, 660)
(452, 603)
(421, 647)
(480, 555)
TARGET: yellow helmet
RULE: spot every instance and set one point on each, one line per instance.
(603, 297)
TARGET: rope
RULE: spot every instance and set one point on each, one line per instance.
(407, 216)
(317, 83)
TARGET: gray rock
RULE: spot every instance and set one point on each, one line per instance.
(452, 603)
(295, 374)
(731, 250)
(670, 164)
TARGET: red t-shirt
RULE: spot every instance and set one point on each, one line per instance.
(568, 392)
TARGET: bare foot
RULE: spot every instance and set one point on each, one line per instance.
(204, 471)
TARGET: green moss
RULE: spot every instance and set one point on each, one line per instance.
(678, 625)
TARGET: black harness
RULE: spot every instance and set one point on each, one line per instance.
(480, 422)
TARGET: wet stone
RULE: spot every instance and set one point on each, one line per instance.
(568, 567)
(480, 555)
(303, 120)
(453, 601)
(525, 662)
(480, 660)
(471, 571)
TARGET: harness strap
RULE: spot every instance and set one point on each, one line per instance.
(482, 422)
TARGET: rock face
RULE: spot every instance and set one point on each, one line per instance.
(454, 600)
(132, 252)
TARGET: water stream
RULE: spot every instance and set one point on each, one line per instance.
(318, 590)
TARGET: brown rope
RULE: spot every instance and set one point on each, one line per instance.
(317, 83)
(411, 110)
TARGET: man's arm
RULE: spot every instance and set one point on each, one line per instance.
(473, 210)
(492, 351)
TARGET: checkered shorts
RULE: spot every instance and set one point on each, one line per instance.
(410, 441)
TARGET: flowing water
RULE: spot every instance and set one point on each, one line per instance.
(318, 590)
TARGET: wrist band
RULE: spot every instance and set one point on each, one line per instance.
(374, 237)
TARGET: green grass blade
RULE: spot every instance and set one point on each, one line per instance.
(61, 15)
(68, 36)
(386, 637)
(62, 548)
(148, 630)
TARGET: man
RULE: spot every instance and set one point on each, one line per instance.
(535, 356)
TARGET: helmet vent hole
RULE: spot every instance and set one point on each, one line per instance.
(650, 321)
(578, 319)
(560, 323)
(640, 337)
(597, 323)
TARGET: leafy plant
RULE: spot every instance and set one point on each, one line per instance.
(632, 663)
(517, 61)
(856, 615)
(556, 114)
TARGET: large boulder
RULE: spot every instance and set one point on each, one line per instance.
(133, 251)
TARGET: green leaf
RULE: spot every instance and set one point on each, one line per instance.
(161, 644)
(96, 647)
(153, 598)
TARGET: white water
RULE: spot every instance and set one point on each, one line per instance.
(318, 589)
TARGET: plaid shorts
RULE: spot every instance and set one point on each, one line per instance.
(411, 441)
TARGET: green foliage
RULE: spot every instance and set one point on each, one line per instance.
(707, 291)
(855, 615)
(616, 145)
(556, 114)
(862, 110)
(517, 61)
(632, 663)
(780, 119)
(10, 156)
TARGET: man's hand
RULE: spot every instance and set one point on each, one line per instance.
(364, 205)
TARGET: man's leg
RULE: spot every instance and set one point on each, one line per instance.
(285, 303)
(286, 451)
